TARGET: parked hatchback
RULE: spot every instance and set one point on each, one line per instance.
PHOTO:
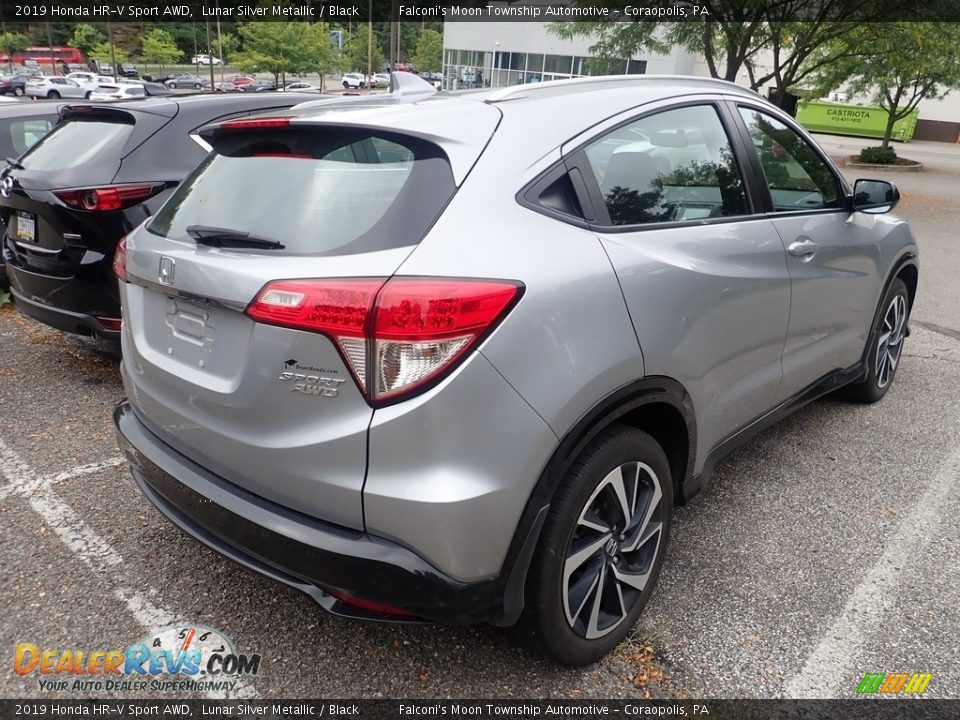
(22, 125)
(479, 399)
(103, 170)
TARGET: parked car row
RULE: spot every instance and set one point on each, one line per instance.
(480, 398)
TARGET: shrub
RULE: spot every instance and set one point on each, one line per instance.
(879, 155)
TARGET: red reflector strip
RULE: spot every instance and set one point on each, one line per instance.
(370, 605)
(110, 323)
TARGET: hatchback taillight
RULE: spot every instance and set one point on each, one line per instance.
(105, 199)
(397, 336)
(120, 261)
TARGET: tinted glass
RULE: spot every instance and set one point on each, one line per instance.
(78, 142)
(315, 192)
(18, 136)
(670, 167)
(796, 175)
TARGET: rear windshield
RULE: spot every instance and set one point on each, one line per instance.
(79, 142)
(315, 190)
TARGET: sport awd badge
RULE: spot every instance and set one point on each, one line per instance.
(314, 385)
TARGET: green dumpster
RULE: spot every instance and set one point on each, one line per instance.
(856, 120)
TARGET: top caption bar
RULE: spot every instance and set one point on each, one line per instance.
(345, 11)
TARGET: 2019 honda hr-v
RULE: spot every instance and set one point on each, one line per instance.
(480, 396)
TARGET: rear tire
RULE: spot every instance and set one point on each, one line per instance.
(172, 86)
(87, 96)
(885, 346)
(197, 86)
(18, 92)
(53, 95)
(601, 548)
(346, 85)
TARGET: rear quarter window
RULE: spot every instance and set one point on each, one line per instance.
(18, 136)
(316, 190)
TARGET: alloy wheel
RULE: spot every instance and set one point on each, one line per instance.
(613, 550)
(890, 342)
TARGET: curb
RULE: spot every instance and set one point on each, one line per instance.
(857, 165)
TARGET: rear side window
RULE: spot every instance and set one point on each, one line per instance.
(315, 190)
(672, 166)
(79, 142)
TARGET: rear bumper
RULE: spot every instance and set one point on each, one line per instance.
(315, 557)
(71, 322)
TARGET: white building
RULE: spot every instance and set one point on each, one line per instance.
(497, 54)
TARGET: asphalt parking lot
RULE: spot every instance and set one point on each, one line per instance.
(827, 548)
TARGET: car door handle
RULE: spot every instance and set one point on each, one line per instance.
(805, 249)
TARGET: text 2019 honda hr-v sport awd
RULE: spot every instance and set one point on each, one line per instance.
(457, 357)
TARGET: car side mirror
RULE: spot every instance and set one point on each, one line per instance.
(875, 196)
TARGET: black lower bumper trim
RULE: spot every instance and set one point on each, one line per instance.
(66, 320)
(308, 554)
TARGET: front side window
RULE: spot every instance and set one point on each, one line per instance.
(797, 176)
(674, 166)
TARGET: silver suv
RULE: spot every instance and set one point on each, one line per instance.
(457, 358)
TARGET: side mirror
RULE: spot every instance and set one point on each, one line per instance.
(875, 196)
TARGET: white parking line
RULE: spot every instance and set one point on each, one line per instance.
(92, 550)
(833, 659)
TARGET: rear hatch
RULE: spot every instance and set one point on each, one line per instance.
(275, 410)
(84, 150)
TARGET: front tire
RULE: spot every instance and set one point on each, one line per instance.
(18, 92)
(172, 86)
(885, 346)
(346, 85)
(197, 86)
(601, 548)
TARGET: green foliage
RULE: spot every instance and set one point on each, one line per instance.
(878, 155)
(355, 51)
(907, 63)
(86, 37)
(11, 42)
(101, 52)
(159, 48)
(798, 38)
(429, 54)
(285, 47)
(4, 298)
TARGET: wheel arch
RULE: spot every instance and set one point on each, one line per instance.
(661, 407)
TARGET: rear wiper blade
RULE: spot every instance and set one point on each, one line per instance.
(14, 163)
(225, 237)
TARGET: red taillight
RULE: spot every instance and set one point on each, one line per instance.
(396, 335)
(120, 261)
(105, 199)
(261, 123)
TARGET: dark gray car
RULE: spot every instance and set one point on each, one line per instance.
(457, 357)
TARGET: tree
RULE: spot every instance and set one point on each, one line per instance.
(735, 35)
(429, 54)
(101, 53)
(159, 48)
(285, 47)
(355, 51)
(86, 37)
(910, 62)
(12, 42)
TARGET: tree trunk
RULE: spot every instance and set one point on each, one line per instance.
(888, 131)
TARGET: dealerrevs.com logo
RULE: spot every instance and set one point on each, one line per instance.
(174, 659)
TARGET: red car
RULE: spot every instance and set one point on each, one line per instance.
(240, 80)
